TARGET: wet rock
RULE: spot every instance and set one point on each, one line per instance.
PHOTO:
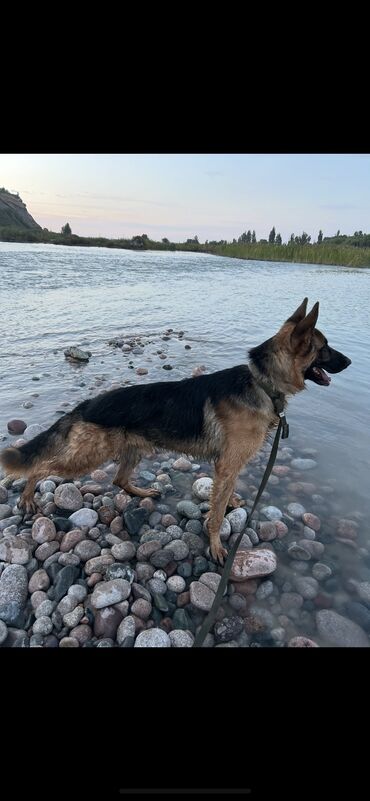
(337, 630)
(267, 531)
(320, 571)
(237, 519)
(74, 353)
(189, 509)
(347, 529)
(303, 464)
(84, 518)
(16, 426)
(32, 431)
(202, 488)
(182, 464)
(201, 596)
(295, 510)
(307, 587)
(312, 521)
(271, 512)
(359, 613)
(264, 590)
(228, 629)
(251, 564)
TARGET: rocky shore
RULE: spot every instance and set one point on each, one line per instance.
(98, 568)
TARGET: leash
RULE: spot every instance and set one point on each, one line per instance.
(283, 429)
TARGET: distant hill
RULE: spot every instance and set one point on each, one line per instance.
(13, 212)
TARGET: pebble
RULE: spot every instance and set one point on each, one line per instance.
(189, 509)
(182, 464)
(302, 642)
(13, 592)
(312, 521)
(16, 426)
(251, 564)
(295, 509)
(201, 596)
(15, 550)
(338, 630)
(69, 642)
(126, 632)
(68, 497)
(84, 518)
(43, 625)
(307, 587)
(43, 530)
(87, 549)
(228, 629)
(267, 531)
(202, 488)
(264, 590)
(176, 584)
(39, 581)
(98, 564)
(178, 548)
(106, 622)
(181, 639)
(320, 571)
(3, 632)
(141, 608)
(271, 512)
(124, 551)
(107, 593)
(303, 464)
(237, 520)
(153, 638)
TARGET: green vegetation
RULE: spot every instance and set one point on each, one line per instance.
(349, 251)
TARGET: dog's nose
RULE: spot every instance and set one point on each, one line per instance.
(347, 361)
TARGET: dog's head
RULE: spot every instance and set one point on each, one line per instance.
(299, 352)
(311, 347)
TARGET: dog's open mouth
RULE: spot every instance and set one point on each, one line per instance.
(318, 375)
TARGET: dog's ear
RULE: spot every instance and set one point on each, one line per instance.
(305, 327)
(299, 313)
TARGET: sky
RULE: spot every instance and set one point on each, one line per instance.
(213, 196)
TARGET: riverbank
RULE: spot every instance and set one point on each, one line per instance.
(324, 253)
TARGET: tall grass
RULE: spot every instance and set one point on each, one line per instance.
(325, 253)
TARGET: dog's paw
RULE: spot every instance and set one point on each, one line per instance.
(28, 507)
(152, 493)
(235, 501)
(219, 553)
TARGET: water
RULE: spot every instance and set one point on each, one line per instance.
(52, 297)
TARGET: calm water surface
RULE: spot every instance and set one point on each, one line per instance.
(52, 297)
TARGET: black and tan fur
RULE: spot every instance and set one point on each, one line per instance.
(224, 416)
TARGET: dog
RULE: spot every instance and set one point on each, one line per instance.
(224, 416)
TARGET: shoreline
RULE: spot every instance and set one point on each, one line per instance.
(325, 255)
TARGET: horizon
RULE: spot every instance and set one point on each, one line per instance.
(179, 196)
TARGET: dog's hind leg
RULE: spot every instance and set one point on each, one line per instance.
(129, 459)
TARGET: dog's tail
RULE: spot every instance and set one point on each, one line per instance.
(19, 461)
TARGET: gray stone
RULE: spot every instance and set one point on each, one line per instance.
(32, 431)
(237, 519)
(176, 584)
(303, 464)
(157, 586)
(3, 632)
(87, 549)
(5, 511)
(44, 609)
(13, 593)
(252, 564)
(68, 497)
(181, 639)
(307, 587)
(15, 550)
(195, 543)
(337, 630)
(296, 510)
(10, 521)
(72, 618)
(228, 629)
(271, 512)
(84, 518)
(189, 509)
(201, 596)
(264, 590)
(126, 632)
(202, 488)
(175, 532)
(141, 608)
(43, 625)
(321, 571)
(178, 548)
(107, 593)
(153, 638)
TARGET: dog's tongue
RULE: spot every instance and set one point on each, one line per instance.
(322, 375)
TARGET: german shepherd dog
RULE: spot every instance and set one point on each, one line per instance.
(224, 416)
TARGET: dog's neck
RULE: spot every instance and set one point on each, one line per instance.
(276, 396)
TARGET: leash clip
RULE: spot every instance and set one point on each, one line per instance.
(285, 426)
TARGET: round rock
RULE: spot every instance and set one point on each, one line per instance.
(84, 518)
(68, 496)
(251, 564)
(202, 488)
(153, 638)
